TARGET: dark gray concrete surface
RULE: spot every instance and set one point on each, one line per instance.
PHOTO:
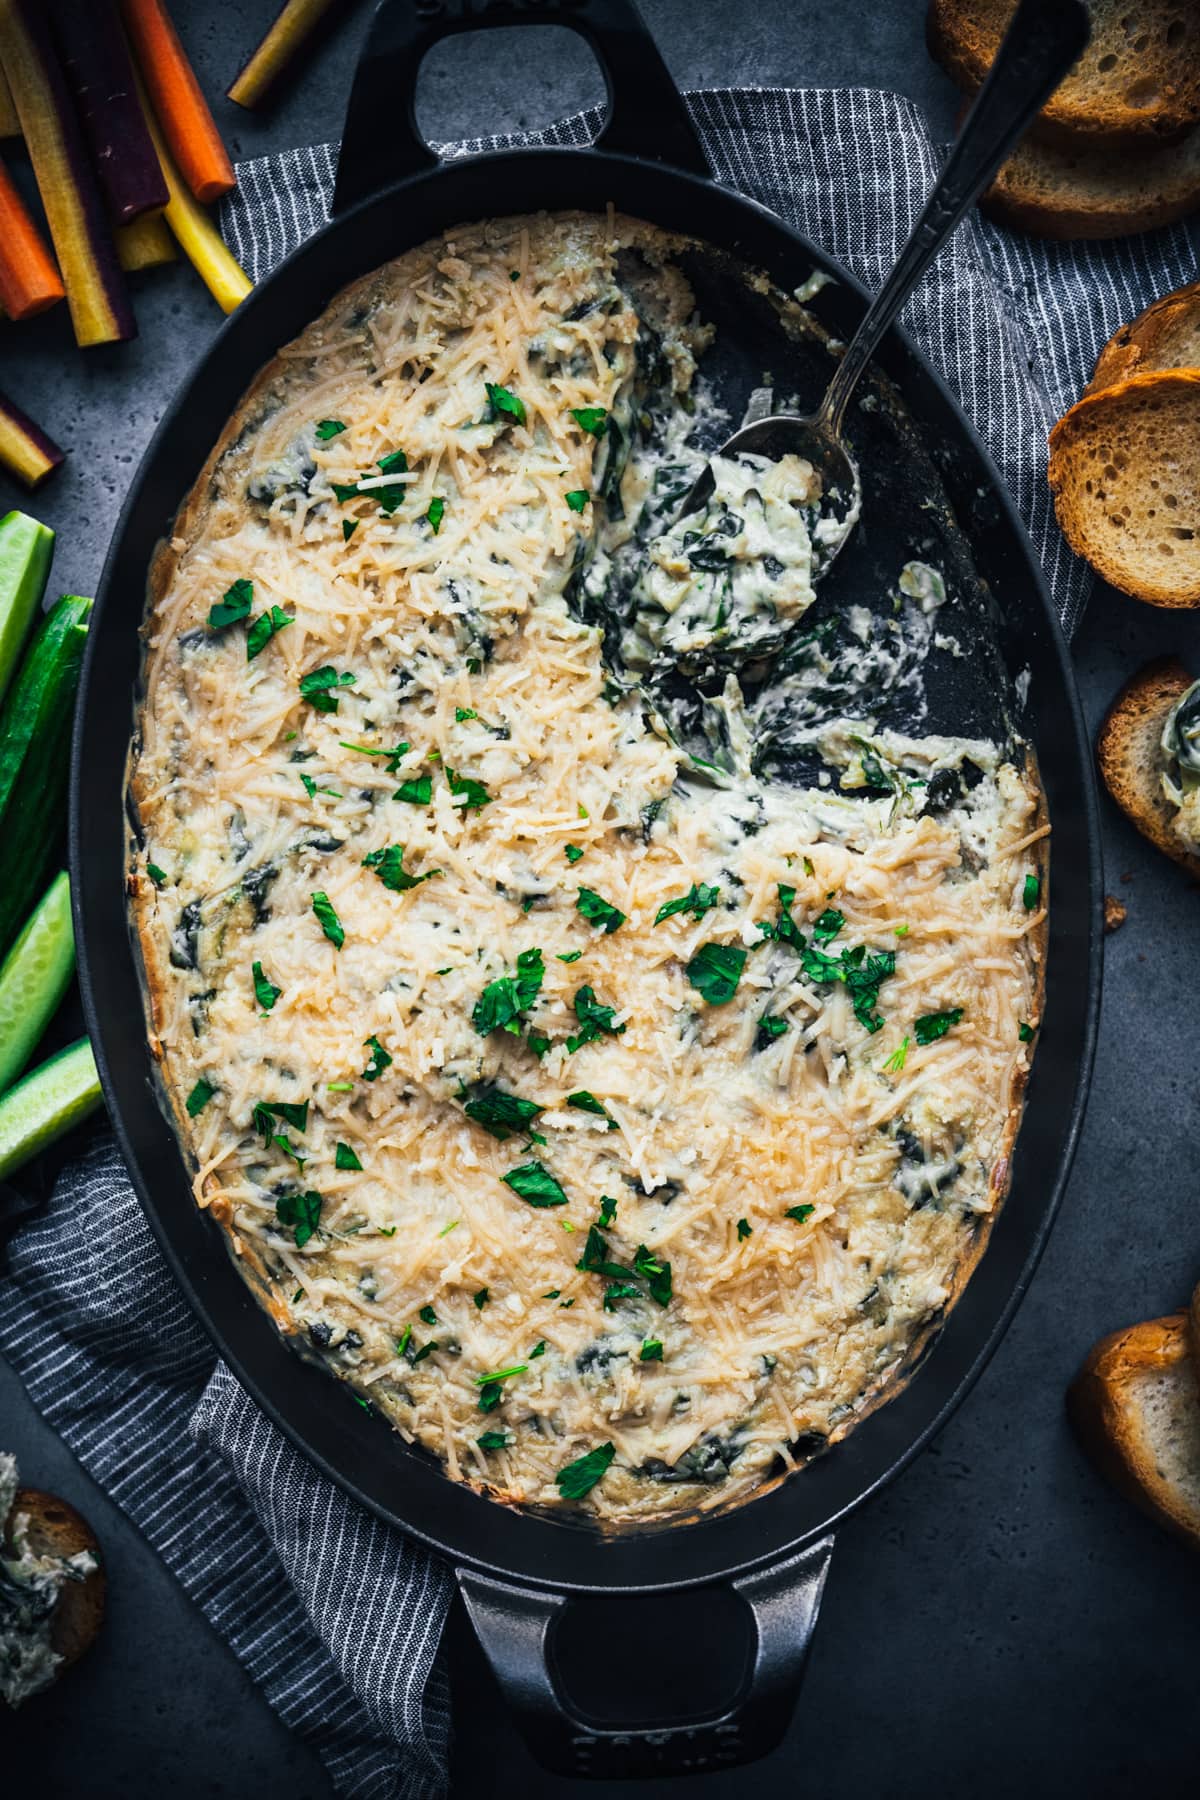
(998, 1622)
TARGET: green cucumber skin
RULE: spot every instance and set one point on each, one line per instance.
(35, 738)
(26, 552)
(43, 690)
(48, 1102)
(25, 1014)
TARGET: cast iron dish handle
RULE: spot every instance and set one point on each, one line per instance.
(516, 1626)
(382, 142)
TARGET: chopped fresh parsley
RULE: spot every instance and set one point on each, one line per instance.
(265, 992)
(435, 514)
(393, 755)
(504, 1002)
(651, 1350)
(568, 956)
(234, 604)
(264, 628)
(698, 900)
(578, 1478)
(379, 1059)
(744, 1228)
(349, 527)
(1025, 1032)
(572, 852)
(490, 1389)
(931, 1026)
(620, 1290)
(808, 866)
(463, 713)
(417, 790)
(1031, 892)
(655, 1274)
(826, 928)
(329, 922)
(500, 1112)
(492, 1440)
(158, 876)
(898, 1058)
(389, 866)
(329, 428)
(345, 1158)
(504, 402)
(863, 976)
(427, 1315)
(592, 419)
(593, 1019)
(199, 1097)
(481, 1299)
(402, 1341)
(577, 499)
(301, 1211)
(715, 971)
(585, 1102)
(292, 1112)
(539, 1349)
(319, 687)
(598, 911)
(535, 1184)
(473, 794)
(800, 1213)
(770, 1027)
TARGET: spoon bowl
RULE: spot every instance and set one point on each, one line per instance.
(1044, 40)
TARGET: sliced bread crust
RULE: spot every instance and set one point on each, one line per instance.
(1135, 1406)
(1129, 755)
(1085, 191)
(1137, 80)
(1165, 336)
(55, 1527)
(1125, 475)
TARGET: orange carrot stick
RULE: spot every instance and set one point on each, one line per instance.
(29, 281)
(179, 105)
(10, 125)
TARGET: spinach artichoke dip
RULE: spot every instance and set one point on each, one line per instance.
(1181, 767)
(612, 1113)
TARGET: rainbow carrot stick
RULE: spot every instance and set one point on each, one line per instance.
(29, 281)
(10, 125)
(24, 448)
(198, 237)
(95, 60)
(145, 243)
(284, 40)
(100, 310)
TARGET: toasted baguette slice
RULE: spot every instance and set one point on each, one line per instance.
(1165, 336)
(1085, 191)
(1130, 757)
(1135, 1405)
(1125, 475)
(55, 1527)
(1137, 80)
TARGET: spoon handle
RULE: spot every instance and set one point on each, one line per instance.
(1043, 41)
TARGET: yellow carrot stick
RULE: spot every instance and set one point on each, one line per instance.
(295, 23)
(198, 237)
(10, 125)
(24, 447)
(145, 243)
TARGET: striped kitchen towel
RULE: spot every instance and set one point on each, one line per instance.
(338, 1617)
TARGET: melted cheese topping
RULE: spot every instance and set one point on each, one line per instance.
(788, 1177)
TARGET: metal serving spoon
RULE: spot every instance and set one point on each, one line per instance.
(1043, 41)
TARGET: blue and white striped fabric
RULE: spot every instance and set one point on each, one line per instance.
(338, 1617)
